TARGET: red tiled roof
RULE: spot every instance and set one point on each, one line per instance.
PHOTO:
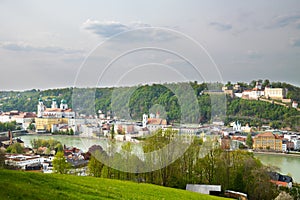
(156, 121)
(53, 110)
(242, 139)
(280, 183)
(266, 134)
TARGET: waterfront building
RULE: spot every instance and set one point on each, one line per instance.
(267, 141)
(22, 118)
(47, 117)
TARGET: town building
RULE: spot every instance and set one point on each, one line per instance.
(23, 161)
(275, 93)
(24, 119)
(154, 122)
(45, 124)
(48, 117)
(268, 141)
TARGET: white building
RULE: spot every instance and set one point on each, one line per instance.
(296, 143)
(89, 130)
(21, 161)
(21, 118)
(295, 104)
(275, 93)
(290, 137)
(54, 111)
(252, 94)
(237, 126)
(145, 120)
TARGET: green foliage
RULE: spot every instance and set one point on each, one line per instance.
(51, 143)
(200, 163)
(112, 132)
(59, 147)
(2, 159)
(15, 148)
(95, 166)
(60, 165)
(148, 97)
(257, 113)
(8, 126)
(249, 141)
(31, 126)
(67, 132)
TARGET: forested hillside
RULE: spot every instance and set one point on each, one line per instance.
(162, 98)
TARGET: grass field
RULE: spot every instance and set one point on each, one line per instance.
(27, 185)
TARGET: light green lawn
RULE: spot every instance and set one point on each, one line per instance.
(27, 185)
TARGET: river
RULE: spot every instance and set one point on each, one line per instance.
(81, 143)
(287, 164)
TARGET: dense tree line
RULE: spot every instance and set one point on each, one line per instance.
(257, 113)
(132, 102)
(199, 164)
(67, 132)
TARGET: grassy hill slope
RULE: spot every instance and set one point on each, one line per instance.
(26, 185)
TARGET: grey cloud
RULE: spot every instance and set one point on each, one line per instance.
(110, 28)
(221, 26)
(285, 20)
(30, 48)
(295, 42)
(132, 32)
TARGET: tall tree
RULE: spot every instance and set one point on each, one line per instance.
(112, 132)
(95, 166)
(249, 141)
(15, 148)
(60, 164)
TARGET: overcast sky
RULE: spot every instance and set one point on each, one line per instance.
(49, 44)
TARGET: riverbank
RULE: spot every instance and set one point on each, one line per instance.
(277, 154)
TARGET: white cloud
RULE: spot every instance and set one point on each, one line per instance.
(21, 46)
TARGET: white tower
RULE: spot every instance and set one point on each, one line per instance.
(63, 104)
(145, 120)
(54, 103)
(40, 108)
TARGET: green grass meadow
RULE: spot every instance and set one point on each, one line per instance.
(29, 185)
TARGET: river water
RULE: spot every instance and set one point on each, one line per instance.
(287, 164)
(81, 143)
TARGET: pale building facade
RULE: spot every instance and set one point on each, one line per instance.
(275, 93)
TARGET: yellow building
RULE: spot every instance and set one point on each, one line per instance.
(267, 140)
(45, 124)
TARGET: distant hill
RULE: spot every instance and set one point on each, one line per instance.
(28, 185)
(146, 97)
